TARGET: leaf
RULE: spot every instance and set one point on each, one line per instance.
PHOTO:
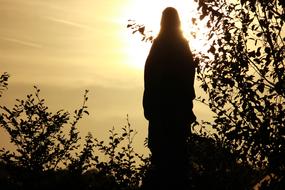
(210, 36)
(267, 50)
(202, 16)
(204, 86)
(258, 52)
(242, 2)
(260, 87)
(251, 54)
(212, 49)
(259, 34)
(141, 29)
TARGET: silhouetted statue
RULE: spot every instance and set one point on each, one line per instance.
(168, 102)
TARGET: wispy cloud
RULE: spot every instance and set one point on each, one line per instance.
(22, 42)
(67, 22)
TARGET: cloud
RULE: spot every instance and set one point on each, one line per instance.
(67, 22)
(22, 42)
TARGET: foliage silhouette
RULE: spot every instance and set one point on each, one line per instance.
(38, 134)
(122, 169)
(3, 82)
(147, 36)
(245, 80)
(48, 152)
(243, 76)
(214, 167)
(245, 84)
(127, 167)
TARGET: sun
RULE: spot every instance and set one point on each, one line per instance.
(148, 13)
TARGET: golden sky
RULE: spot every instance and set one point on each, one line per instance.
(67, 46)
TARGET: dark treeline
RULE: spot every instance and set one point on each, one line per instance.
(49, 156)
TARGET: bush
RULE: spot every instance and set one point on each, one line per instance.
(38, 135)
(48, 151)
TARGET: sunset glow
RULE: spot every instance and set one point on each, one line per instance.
(65, 47)
(149, 12)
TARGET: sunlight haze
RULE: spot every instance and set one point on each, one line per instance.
(65, 47)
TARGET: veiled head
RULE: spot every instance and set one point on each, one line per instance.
(170, 21)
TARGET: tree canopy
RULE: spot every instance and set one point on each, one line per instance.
(245, 80)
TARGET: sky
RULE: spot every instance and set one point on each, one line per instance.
(64, 47)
